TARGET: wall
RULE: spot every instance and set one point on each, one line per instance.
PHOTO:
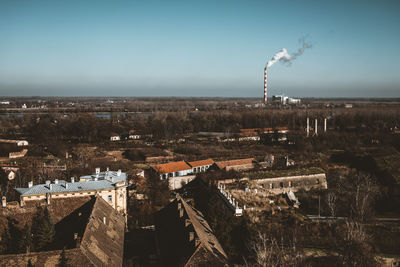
(297, 182)
(118, 197)
(279, 184)
(45, 258)
(176, 182)
(240, 167)
(200, 168)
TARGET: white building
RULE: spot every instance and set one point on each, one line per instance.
(284, 100)
(115, 138)
(22, 143)
(110, 185)
(201, 165)
(133, 135)
(172, 169)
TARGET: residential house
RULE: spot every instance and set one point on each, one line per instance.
(115, 137)
(134, 135)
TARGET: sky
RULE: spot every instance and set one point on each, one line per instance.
(198, 48)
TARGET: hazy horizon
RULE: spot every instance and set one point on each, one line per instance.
(199, 49)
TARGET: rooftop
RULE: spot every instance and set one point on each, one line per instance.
(103, 180)
(224, 164)
(103, 239)
(99, 227)
(201, 162)
(171, 167)
(194, 243)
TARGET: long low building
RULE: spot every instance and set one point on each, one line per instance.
(181, 168)
(201, 165)
(237, 164)
(172, 169)
(110, 185)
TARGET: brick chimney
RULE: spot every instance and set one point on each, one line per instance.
(48, 196)
(77, 240)
(180, 210)
(191, 236)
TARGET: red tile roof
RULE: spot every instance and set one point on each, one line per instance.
(201, 162)
(281, 128)
(171, 167)
(224, 164)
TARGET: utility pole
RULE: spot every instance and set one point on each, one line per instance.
(319, 207)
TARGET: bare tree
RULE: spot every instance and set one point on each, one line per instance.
(271, 252)
(364, 192)
(354, 248)
(331, 202)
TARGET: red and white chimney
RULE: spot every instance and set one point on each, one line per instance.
(265, 85)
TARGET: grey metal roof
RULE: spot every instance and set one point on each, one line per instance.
(107, 175)
(105, 180)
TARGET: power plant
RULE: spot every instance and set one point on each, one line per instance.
(284, 57)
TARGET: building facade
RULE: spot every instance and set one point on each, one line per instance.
(110, 185)
(201, 165)
(172, 169)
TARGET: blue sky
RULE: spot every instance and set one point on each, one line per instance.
(198, 48)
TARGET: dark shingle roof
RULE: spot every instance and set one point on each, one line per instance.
(103, 240)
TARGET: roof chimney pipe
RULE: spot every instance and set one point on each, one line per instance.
(3, 201)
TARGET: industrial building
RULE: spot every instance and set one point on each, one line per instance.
(285, 100)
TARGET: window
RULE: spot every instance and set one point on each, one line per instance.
(109, 198)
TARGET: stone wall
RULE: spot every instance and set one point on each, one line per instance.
(243, 167)
(176, 182)
(278, 185)
(45, 259)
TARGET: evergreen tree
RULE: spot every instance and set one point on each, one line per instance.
(63, 261)
(4, 240)
(25, 243)
(15, 235)
(42, 230)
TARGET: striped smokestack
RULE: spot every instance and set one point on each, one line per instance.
(265, 85)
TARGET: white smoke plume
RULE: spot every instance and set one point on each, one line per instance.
(284, 56)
